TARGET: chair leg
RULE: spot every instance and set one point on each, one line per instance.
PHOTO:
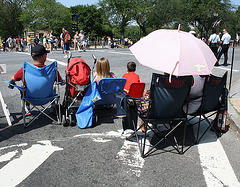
(197, 139)
(23, 113)
(59, 113)
(41, 112)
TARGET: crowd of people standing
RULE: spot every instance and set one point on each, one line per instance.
(20, 44)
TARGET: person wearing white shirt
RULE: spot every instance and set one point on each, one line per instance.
(213, 41)
(82, 40)
(225, 41)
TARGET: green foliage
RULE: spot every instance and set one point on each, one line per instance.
(116, 18)
(91, 20)
(45, 15)
(203, 14)
(9, 13)
(118, 13)
(132, 32)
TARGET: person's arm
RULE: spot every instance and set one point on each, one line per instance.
(12, 80)
(17, 77)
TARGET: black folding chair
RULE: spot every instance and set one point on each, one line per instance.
(214, 99)
(165, 106)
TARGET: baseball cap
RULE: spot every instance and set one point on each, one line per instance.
(38, 50)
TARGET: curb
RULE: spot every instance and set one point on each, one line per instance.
(233, 117)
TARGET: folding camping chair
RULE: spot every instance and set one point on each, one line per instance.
(39, 90)
(108, 89)
(214, 99)
(136, 89)
(165, 106)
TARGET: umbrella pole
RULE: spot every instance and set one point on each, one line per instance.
(230, 82)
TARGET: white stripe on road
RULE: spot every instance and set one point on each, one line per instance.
(217, 169)
(19, 145)
(227, 69)
(58, 62)
(8, 156)
(17, 170)
(116, 52)
(130, 155)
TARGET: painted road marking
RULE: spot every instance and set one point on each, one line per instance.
(216, 167)
(227, 69)
(129, 153)
(118, 52)
(215, 164)
(21, 167)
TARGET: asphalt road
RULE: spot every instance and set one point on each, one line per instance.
(46, 154)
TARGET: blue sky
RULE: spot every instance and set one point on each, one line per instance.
(69, 3)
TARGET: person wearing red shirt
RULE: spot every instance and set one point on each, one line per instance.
(130, 76)
(39, 55)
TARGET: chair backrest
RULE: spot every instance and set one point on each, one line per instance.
(39, 82)
(136, 89)
(168, 98)
(108, 87)
(214, 89)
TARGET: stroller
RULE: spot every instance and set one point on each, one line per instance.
(78, 75)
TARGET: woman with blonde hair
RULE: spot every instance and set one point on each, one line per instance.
(103, 70)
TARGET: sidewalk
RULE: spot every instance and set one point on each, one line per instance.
(234, 105)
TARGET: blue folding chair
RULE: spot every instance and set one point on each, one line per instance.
(38, 90)
(108, 88)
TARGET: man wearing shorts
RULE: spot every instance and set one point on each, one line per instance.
(66, 45)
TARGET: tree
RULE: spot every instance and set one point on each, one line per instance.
(90, 19)
(164, 13)
(46, 15)
(203, 13)
(10, 11)
(118, 12)
(141, 11)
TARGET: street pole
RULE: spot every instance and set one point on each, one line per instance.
(230, 82)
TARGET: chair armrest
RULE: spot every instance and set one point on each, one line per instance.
(61, 82)
(16, 86)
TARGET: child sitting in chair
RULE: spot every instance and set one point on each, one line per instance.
(103, 70)
(39, 55)
(130, 76)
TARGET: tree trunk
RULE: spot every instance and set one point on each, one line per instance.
(143, 29)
